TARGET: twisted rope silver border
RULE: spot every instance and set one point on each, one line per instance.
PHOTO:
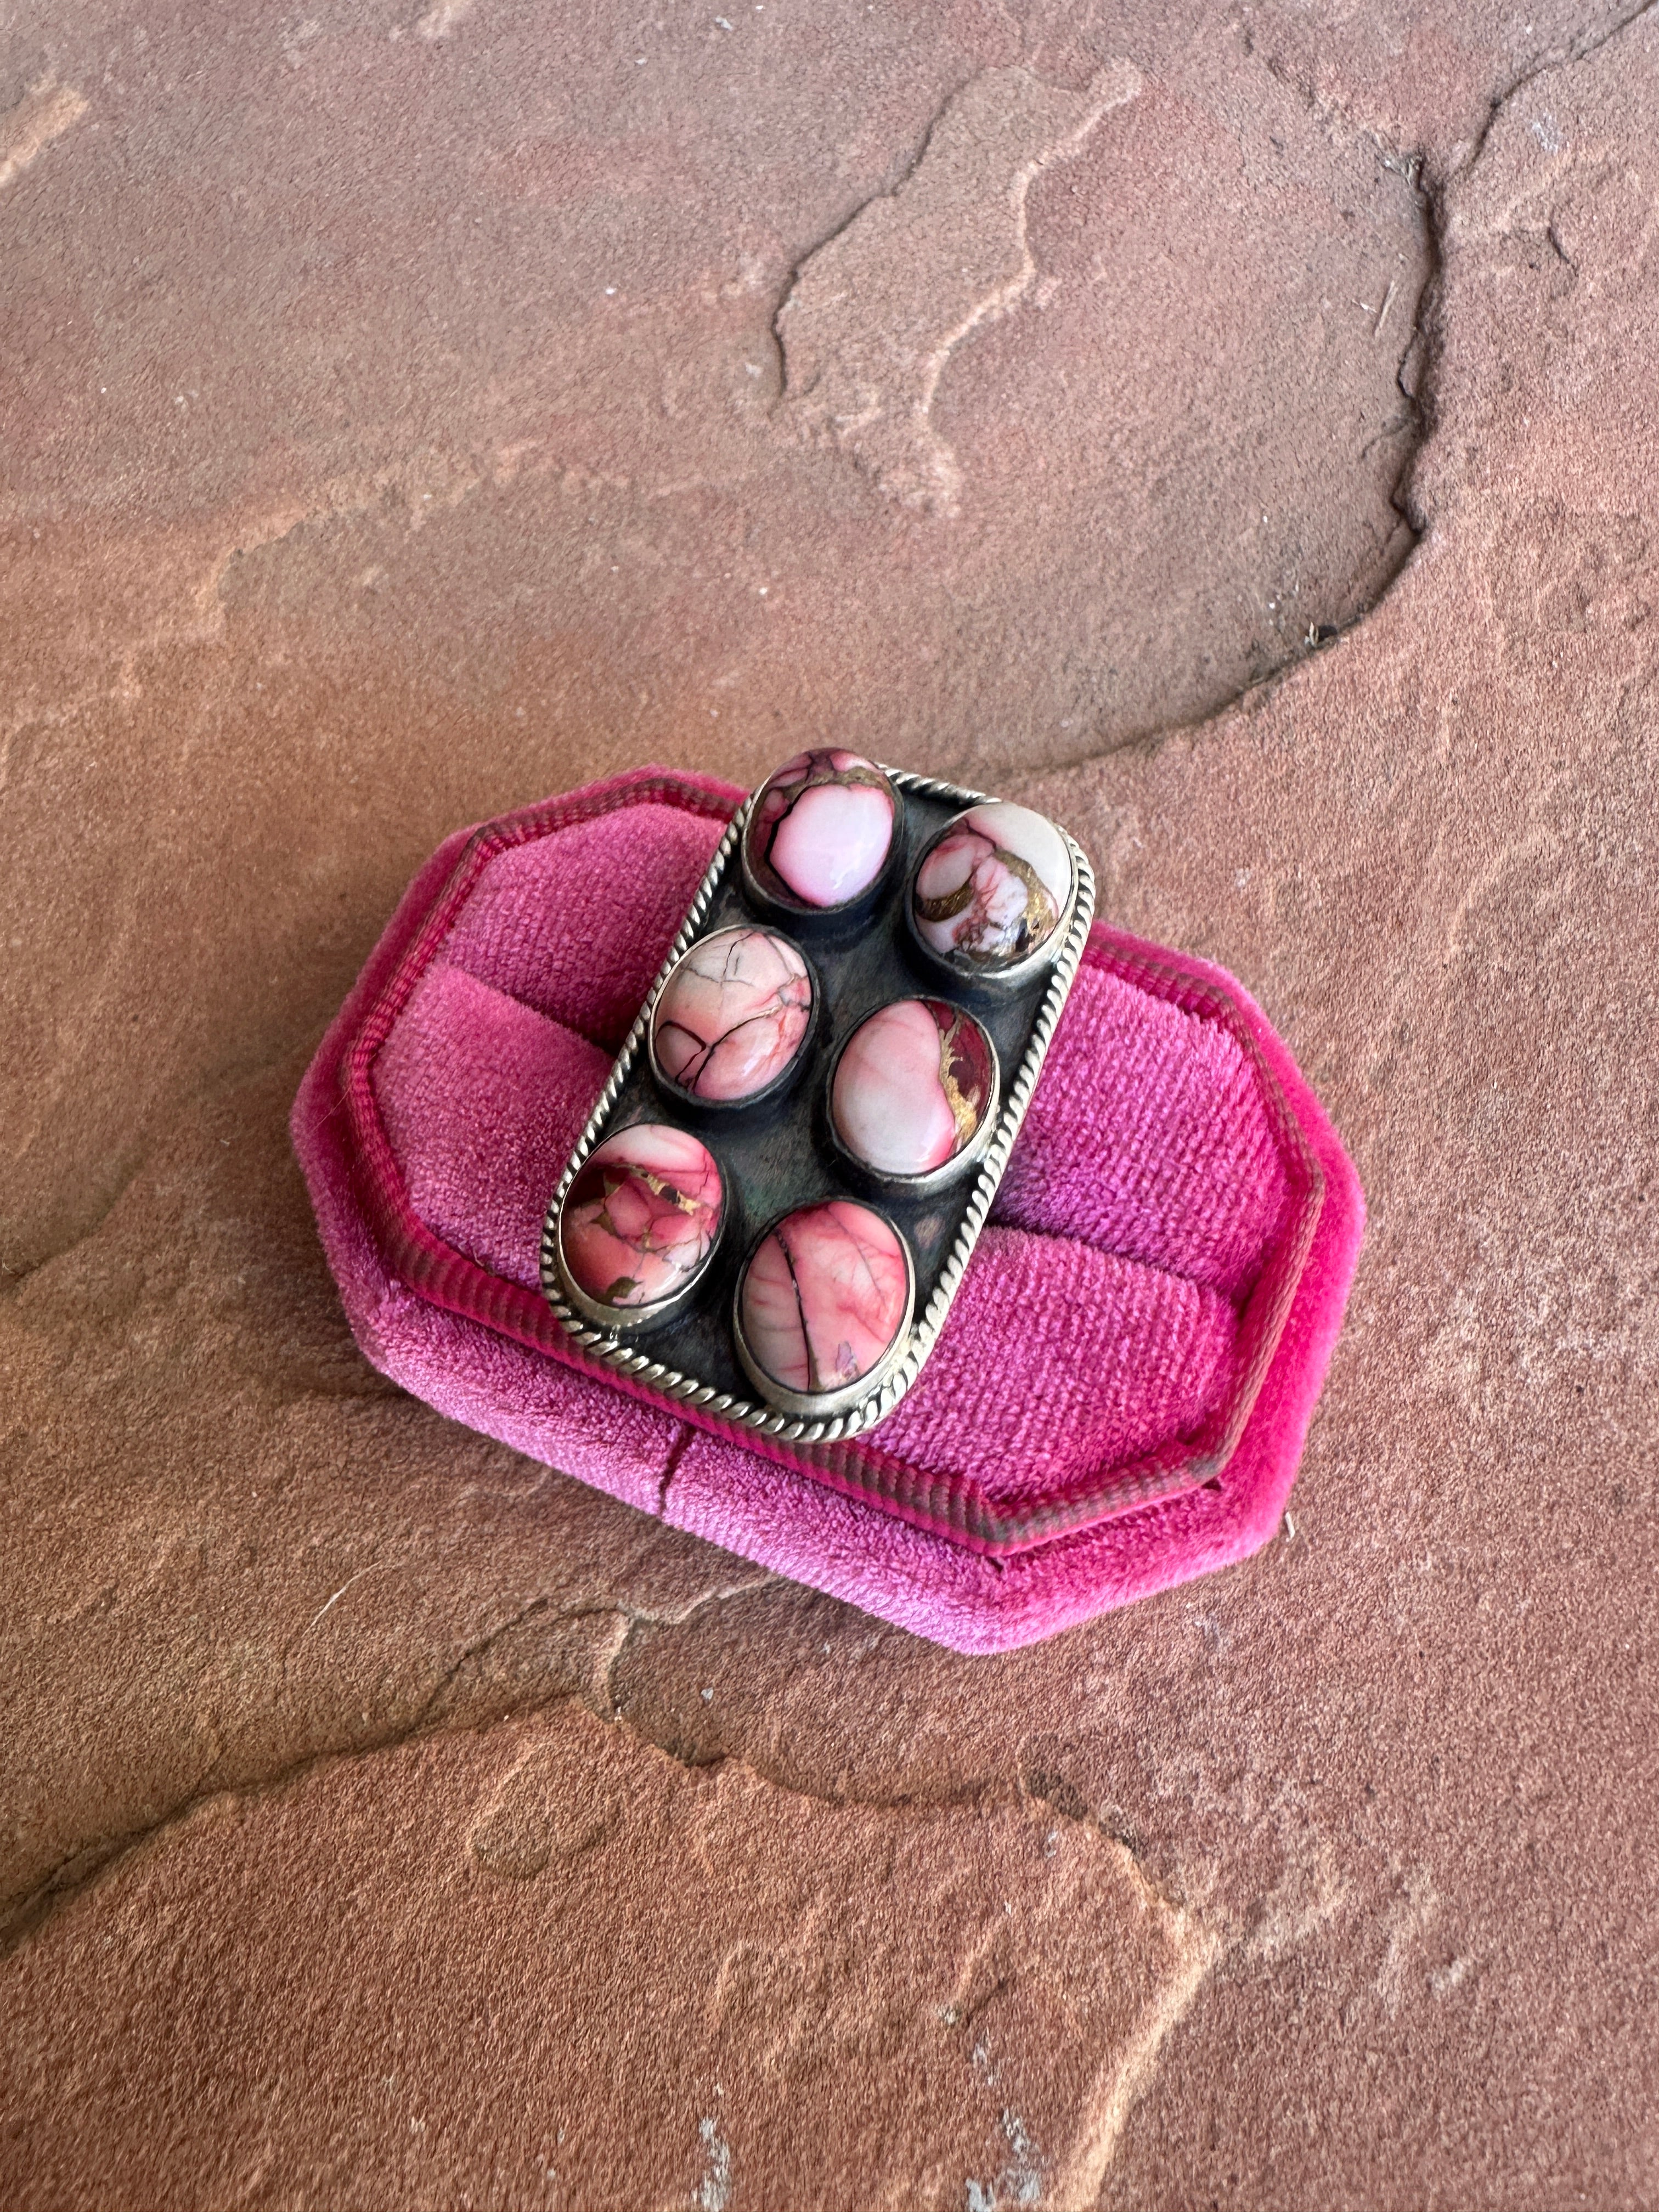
(924, 1334)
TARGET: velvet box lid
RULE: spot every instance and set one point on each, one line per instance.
(1119, 1398)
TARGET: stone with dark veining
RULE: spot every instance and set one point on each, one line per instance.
(821, 830)
(642, 1217)
(912, 1087)
(824, 1296)
(733, 1015)
(990, 892)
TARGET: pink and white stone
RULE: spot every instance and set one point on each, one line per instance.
(824, 1296)
(822, 828)
(991, 891)
(733, 1014)
(912, 1087)
(642, 1216)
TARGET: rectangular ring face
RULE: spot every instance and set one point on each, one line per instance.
(781, 1154)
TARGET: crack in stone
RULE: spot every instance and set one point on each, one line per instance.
(1423, 340)
(1090, 2123)
(1553, 59)
(1083, 2173)
(94, 1863)
(91, 1861)
(875, 312)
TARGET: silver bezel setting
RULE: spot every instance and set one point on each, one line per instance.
(971, 972)
(603, 1345)
(784, 901)
(787, 1075)
(635, 1321)
(823, 1403)
(951, 1170)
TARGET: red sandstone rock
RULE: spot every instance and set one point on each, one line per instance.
(492, 470)
(417, 1978)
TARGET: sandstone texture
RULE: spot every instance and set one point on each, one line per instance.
(1228, 429)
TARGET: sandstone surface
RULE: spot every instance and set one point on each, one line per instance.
(1230, 430)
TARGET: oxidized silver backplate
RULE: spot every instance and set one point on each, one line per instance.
(779, 1157)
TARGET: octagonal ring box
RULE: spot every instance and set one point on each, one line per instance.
(1119, 1393)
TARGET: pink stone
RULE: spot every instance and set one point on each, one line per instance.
(912, 1087)
(733, 1014)
(992, 890)
(642, 1216)
(824, 1296)
(822, 828)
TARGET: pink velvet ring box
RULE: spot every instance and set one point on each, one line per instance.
(1118, 1398)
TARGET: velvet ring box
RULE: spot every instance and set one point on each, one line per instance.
(1118, 1399)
